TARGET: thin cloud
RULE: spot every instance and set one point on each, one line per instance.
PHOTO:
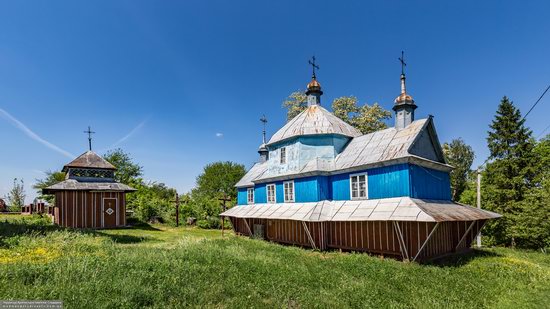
(219, 134)
(127, 136)
(22, 127)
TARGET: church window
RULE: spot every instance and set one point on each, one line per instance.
(250, 195)
(358, 186)
(289, 191)
(270, 193)
(283, 155)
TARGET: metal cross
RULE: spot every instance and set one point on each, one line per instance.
(264, 121)
(313, 65)
(403, 64)
(90, 132)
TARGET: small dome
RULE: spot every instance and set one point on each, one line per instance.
(313, 84)
(262, 147)
(404, 98)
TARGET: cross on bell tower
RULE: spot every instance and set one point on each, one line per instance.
(89, 132)
(404, 104)
(313, 66)
(263, 151)
(313, 91)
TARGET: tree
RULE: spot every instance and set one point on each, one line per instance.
(218, 180)
(16, 196)
(532, 223)
(295, 103)
(127, 171)
(460, 156)
(366, 118)
(50, 179)
(511, 174)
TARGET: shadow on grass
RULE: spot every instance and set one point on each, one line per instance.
(15, 228)
(462, 259)
(119, 238)
(144, 226)
(23, 227)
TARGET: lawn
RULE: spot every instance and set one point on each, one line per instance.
(165, 267)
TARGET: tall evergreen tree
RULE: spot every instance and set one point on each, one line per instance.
(510, 174)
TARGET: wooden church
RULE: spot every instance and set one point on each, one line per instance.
(89, 197)
(321, 183)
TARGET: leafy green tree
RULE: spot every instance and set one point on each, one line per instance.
(295, 103)
(366, 118)
(460, 156)
(16, 196)
(532, 223)
(218, 180)
(511, 173)
(51, 179)
(127, 171)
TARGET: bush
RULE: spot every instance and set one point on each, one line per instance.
(210, 223)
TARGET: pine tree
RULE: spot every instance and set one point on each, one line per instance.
(510, 174)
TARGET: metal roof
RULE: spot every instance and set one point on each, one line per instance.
(73, 185)
(362, 152)
(312, 121)
(254, 172)
(383, 145)
(89, 159)
(389, 209)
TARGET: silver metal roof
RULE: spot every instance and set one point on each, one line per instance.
(383, 145)
(389, 209)
(312, 121)
(366, 151)
(72, 184)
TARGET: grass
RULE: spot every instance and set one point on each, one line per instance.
(165, 267)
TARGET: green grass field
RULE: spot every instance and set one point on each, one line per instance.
(165, 267)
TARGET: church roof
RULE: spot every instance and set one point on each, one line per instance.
(73, 185)
(89, 159)
(312, 121)
(417, 143)
(387, 209)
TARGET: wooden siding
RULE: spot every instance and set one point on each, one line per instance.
(242, 196)
(260, 195)
(83, 209)
(383, 182)
(429, 183)
(375, 237)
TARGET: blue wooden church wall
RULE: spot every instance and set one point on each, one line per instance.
(383, 182)
(429, 183)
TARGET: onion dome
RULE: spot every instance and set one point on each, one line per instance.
(404, 98)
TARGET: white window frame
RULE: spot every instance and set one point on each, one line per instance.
(351, 176)
(249, 195)
(290, 199)
(282, 155)
(274, 193)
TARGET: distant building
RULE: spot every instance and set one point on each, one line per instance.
(321, 183)
(89, 197)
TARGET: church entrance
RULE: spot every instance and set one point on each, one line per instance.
(110, 210)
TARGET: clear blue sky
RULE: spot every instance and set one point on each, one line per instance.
(181, 84)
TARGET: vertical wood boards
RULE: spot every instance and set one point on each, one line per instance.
(83, 209)
(377, 237)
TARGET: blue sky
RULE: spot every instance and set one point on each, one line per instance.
(179, 84)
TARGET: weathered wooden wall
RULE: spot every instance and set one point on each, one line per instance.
(83, 209)
(377, 237)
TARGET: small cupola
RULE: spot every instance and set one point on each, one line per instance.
(313, 91)
(404, 104)
(263, 150)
